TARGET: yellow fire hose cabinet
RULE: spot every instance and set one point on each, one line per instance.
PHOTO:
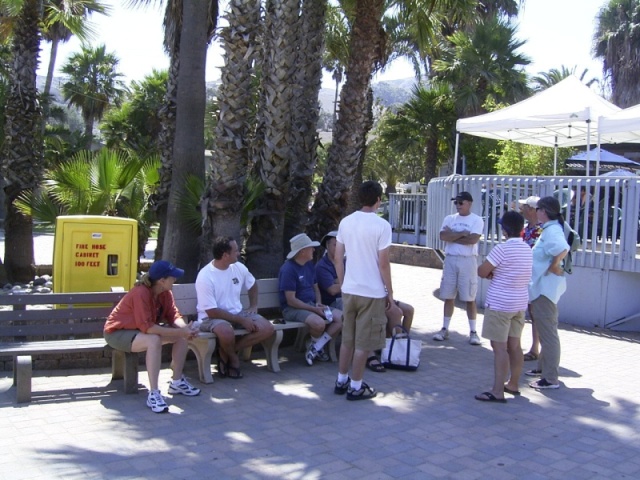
(93, 253)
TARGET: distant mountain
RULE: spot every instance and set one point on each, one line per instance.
(389, 93)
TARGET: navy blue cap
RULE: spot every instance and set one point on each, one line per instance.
(162, 269)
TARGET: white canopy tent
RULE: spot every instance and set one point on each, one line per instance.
(622, 126)
(564, 115)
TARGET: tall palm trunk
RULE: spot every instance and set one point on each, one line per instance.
(274, 139)
(349, 136)
(167, 113)
(230, 160)
(188, 149)
(305, 117)
(22, 158)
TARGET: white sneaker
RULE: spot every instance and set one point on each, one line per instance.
(183, 387)
(156, 403)
(323, 355)
(442, 335)
(474, 339)
(311, 354)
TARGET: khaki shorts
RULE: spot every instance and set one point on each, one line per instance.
(208, 324)
(300, 315)
(364, 322)
(459, 276)
(498, 326)
(121, 339)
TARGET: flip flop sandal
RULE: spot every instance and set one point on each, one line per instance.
(375, 367)
(222, 368)
(515, 393)
(233, 372)
(490, 397)
(530, 356)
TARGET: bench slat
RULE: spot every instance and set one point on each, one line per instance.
(52, 346)
(55, 314)
(61, 298)
(84, 328)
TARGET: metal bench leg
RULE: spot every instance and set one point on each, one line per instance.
(23, 372)
(203, 349)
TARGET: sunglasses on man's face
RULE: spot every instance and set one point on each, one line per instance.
(458, 202)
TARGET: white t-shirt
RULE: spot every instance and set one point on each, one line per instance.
(217, 288)
(364, 235)
(457, 223)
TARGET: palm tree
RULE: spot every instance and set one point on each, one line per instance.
(173, 29)
(424, 124)
(93, 84)
(346, 153)
(107, 182)
(21, 158)
(617, 42)
(483, 63)
(230, 163)
(306, 112)
(544, 80)
(274, 140)
(62, 20)
(188, 146)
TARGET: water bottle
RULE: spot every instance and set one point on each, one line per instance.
(328, 314)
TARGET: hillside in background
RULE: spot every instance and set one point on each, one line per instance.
(389, 94)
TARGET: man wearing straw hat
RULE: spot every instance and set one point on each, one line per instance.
(300, 298)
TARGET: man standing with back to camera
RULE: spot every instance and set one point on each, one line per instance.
(366, 289)
(461, 233)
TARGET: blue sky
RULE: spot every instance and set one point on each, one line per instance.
(558, 32)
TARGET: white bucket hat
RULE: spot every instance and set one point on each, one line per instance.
(299, 242)
(531, 201)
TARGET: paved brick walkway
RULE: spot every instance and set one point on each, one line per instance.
(290, 425)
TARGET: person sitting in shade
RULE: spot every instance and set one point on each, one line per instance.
(398, 313)
(147, 318)
(220, 311)
(301, 301)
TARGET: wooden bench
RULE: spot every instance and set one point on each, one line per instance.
(40, 331)
(268, 300)
(49, 331)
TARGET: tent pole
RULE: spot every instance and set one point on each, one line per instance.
(455, 153)
(555, 157)
(588, 147)
(598, 156)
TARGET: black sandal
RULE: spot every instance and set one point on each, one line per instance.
(234, 372)
(375, 367)
(222, 368)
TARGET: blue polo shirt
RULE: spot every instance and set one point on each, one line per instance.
(294, 277)
(550, 243)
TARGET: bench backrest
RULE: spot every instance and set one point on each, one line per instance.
(268, 296)
(73, 313)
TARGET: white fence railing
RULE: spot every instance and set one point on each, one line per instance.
(604, 210)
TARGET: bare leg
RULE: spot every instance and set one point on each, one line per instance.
(227, 345)
(407, 311)
(448, 307)
(358, 364)
(500, 367)
(516, 361)
(152, 344)
(178, 356)
(346, 355)
(535, 342)
(265, 330)
(472, 310)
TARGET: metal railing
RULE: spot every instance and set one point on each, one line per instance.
(606, 215)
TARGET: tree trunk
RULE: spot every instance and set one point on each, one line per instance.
(188, 149)
(431, 160)
(224, 194)
(350, 133)
(265, 246)
(22, 158)
(305, 118)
